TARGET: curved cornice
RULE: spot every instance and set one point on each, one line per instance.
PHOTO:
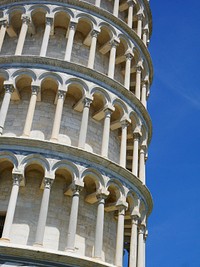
(77, 154)
(104, 14)
(72, 68)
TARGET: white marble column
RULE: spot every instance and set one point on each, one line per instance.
(84, 123)
(144, 248)
(111, 67)
(43, 212)
(144, 93)
(106, 133)
(98, 3)
(17, 177)
(24, 28)
(144, 36)
(139, 25)
(91, 59)
(71, 234)
(127, 76)
(98, 245)
(4, 25)
(138, 82)
(58, 115)
(133, 241)
(131, 4)
(122, 161)
(142, 175)
(46, 36)
(116, 8)
(120, 237)
(136, 138)
(31, 110)
(68, 52)
(9, 89)
(140, 256)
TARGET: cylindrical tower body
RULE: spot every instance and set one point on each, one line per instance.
(74, 80)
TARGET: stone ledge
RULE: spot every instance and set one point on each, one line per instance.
(58, 150)
(73, 68)
(46, 257)
(105, 14)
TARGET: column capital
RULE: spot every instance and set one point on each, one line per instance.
(137, 134)
(4, 22)
(26, 19)
(9, 88)
(125, 123)
(49, 20)
(131, 3)
(114, 42)
(61, 94)
(145, 31)
(72, 25)
(108, 110)
(141, 229)
(139, 68)
(129, 55)
(48, 182)
(102, 194)
(17, 178)
(121, 207)
(143, 149)
(87, 102)
(94, 33)
(135, 219)
(35, 89)
(145, 83)
(140, 16)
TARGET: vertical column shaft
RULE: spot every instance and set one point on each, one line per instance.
(31, 110)
(130, 13)
(22, 35)
(129, 57)
(43, 212)
(92, 49)
(140, 257)
(138, 82)
(84, 123)
(142, 164)
(99, 227)
(4, 25)
(68, 52)
(123, 146)
(73, 219)
(106, 133)
(133, 243)
(46, 36)
(111, 67)
(58, 115)
(144, 94)
(9, 89)
(139, 25)
(11, 206)
(120, 237)
(144, 36)
(135, 153)
(116, 8)
(98, 3)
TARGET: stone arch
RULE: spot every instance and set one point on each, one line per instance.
(20, 9)
(118, 185)
(83, 86)
(109, 27)
(101, 91)
(5, 74)
(54, 76)
(9, 156)
(43, 8)
(25, 72)
(96, 175)
(65, 164)
(36, 158)
(87, 17)
(68, 11)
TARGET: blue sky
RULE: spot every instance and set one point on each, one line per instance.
(173, 167)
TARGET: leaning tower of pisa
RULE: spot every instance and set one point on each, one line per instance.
(74, 132)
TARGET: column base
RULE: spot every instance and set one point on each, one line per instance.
(37, 245)
(4, 239)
